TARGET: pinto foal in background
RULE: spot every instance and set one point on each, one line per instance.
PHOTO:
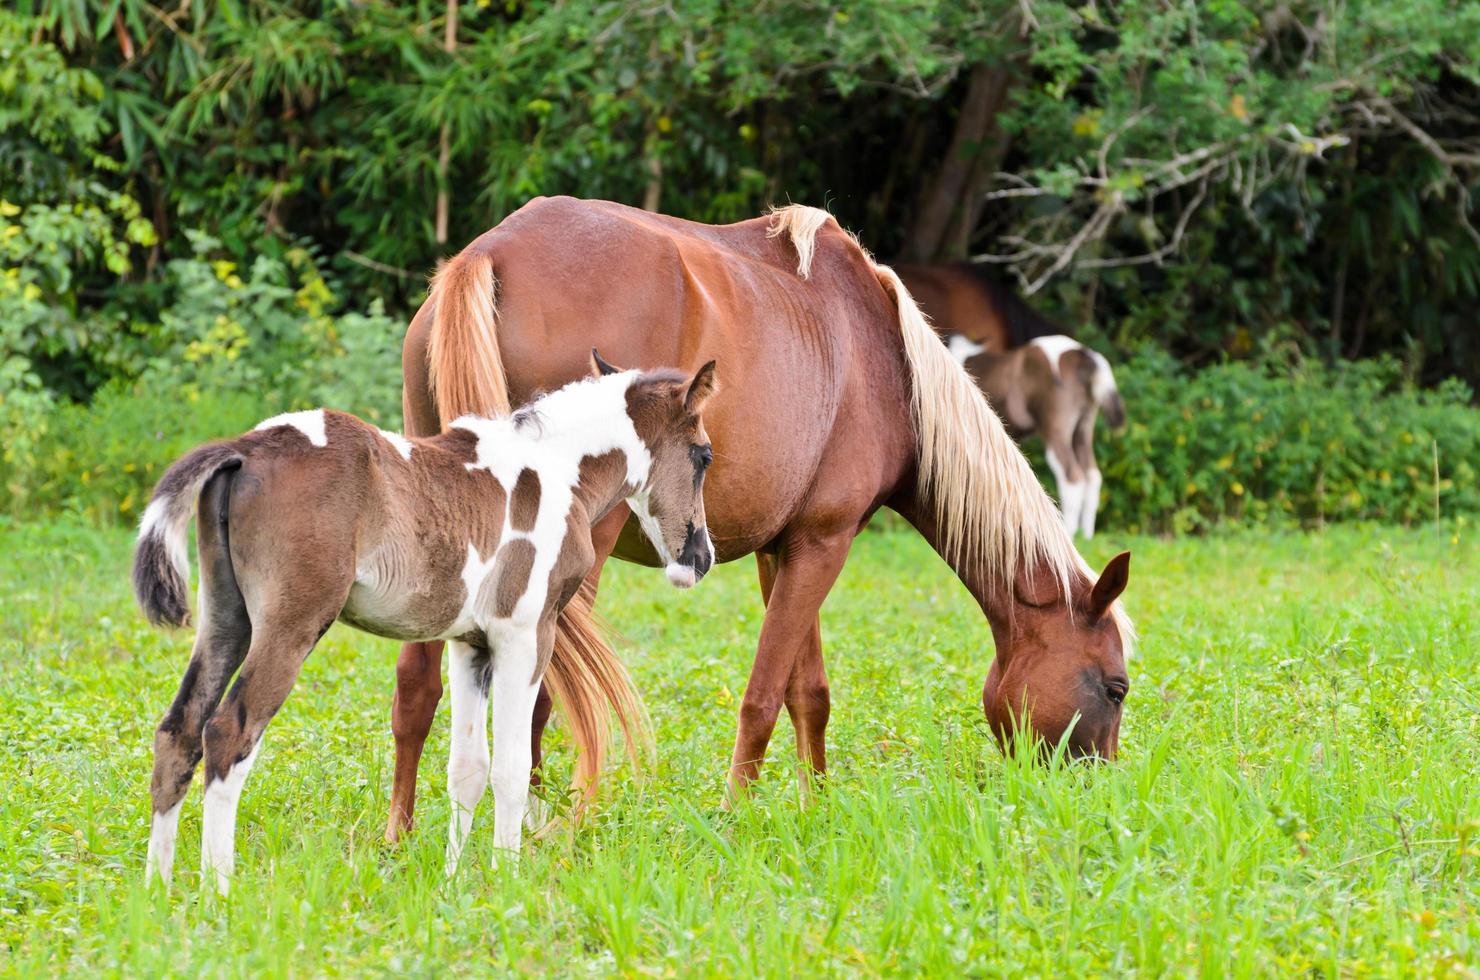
(1055, 386)
(478, 536)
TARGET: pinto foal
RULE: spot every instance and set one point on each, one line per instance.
(1055, 386)
(479, 536)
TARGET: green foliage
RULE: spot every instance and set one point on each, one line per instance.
(1301, 443)
(229, 349)
(1296, 794)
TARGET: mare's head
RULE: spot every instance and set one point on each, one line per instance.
(666, 408)
(1060, 663)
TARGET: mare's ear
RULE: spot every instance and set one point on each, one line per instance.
(600, 368)
(1111, 584)
(700, 389)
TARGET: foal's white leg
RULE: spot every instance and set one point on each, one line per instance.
(1070, 493)
(1091, 505)
(467, 763)
(515, 688)
(218, 829)
(162, 832)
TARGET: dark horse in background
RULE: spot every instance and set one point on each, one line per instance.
(1037, 377)
(838, 400)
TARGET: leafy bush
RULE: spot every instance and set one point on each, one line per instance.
(229, 349)
(1272, 443)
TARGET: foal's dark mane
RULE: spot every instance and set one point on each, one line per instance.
(1023, 322)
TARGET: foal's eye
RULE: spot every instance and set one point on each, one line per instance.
(701, 455)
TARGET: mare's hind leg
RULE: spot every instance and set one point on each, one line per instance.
(220, 644)
(1084, 454)
(808, 698)
(418, 689)
(469, 670)
(807, 565)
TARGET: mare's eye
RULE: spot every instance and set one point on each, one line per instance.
(1116, 691)
(701, 455)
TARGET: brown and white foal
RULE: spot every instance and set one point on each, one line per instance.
(1055, 386)
(479, 536)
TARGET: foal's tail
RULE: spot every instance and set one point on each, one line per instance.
(591, 685)
(161, 566)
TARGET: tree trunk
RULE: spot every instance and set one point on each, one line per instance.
(444, 153)
(952, 185)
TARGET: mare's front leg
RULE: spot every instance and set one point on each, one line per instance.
(519, 653)
(469, 671)
(806, 566)
(808, 697)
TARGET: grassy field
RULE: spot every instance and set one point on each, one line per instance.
(1299, 789)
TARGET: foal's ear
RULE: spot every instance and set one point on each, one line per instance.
(1111, 584)
(600, 368)
(701, 389)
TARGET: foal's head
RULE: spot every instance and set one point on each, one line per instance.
(666, 409)
(1061, 664)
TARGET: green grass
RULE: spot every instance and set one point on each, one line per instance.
(1299, 789)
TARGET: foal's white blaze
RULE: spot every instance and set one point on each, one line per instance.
(1053, 348)
(218, 830)
(681, 575)
(310, 423)
(962, 349)
(401, 443)
(163, 830)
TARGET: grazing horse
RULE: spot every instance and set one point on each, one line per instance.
(478, 536)
(1055, 386)
(839, 400)
(967, 299)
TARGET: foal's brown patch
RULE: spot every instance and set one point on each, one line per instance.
(515, 560)
(607, 470)
(524, 502)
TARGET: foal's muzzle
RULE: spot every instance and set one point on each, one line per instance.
(694, 561)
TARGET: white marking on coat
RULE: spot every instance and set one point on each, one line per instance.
(400, 442)
(158, 523)
(1091, 504)
(580, 420)
(218, 829)
(163, 829)
(1053, 348)
(962, 349)
(310, 423)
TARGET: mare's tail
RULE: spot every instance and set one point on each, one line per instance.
(161, 565)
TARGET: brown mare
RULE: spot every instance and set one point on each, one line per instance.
(478, 536)
(1055, 386)
(839, 400)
